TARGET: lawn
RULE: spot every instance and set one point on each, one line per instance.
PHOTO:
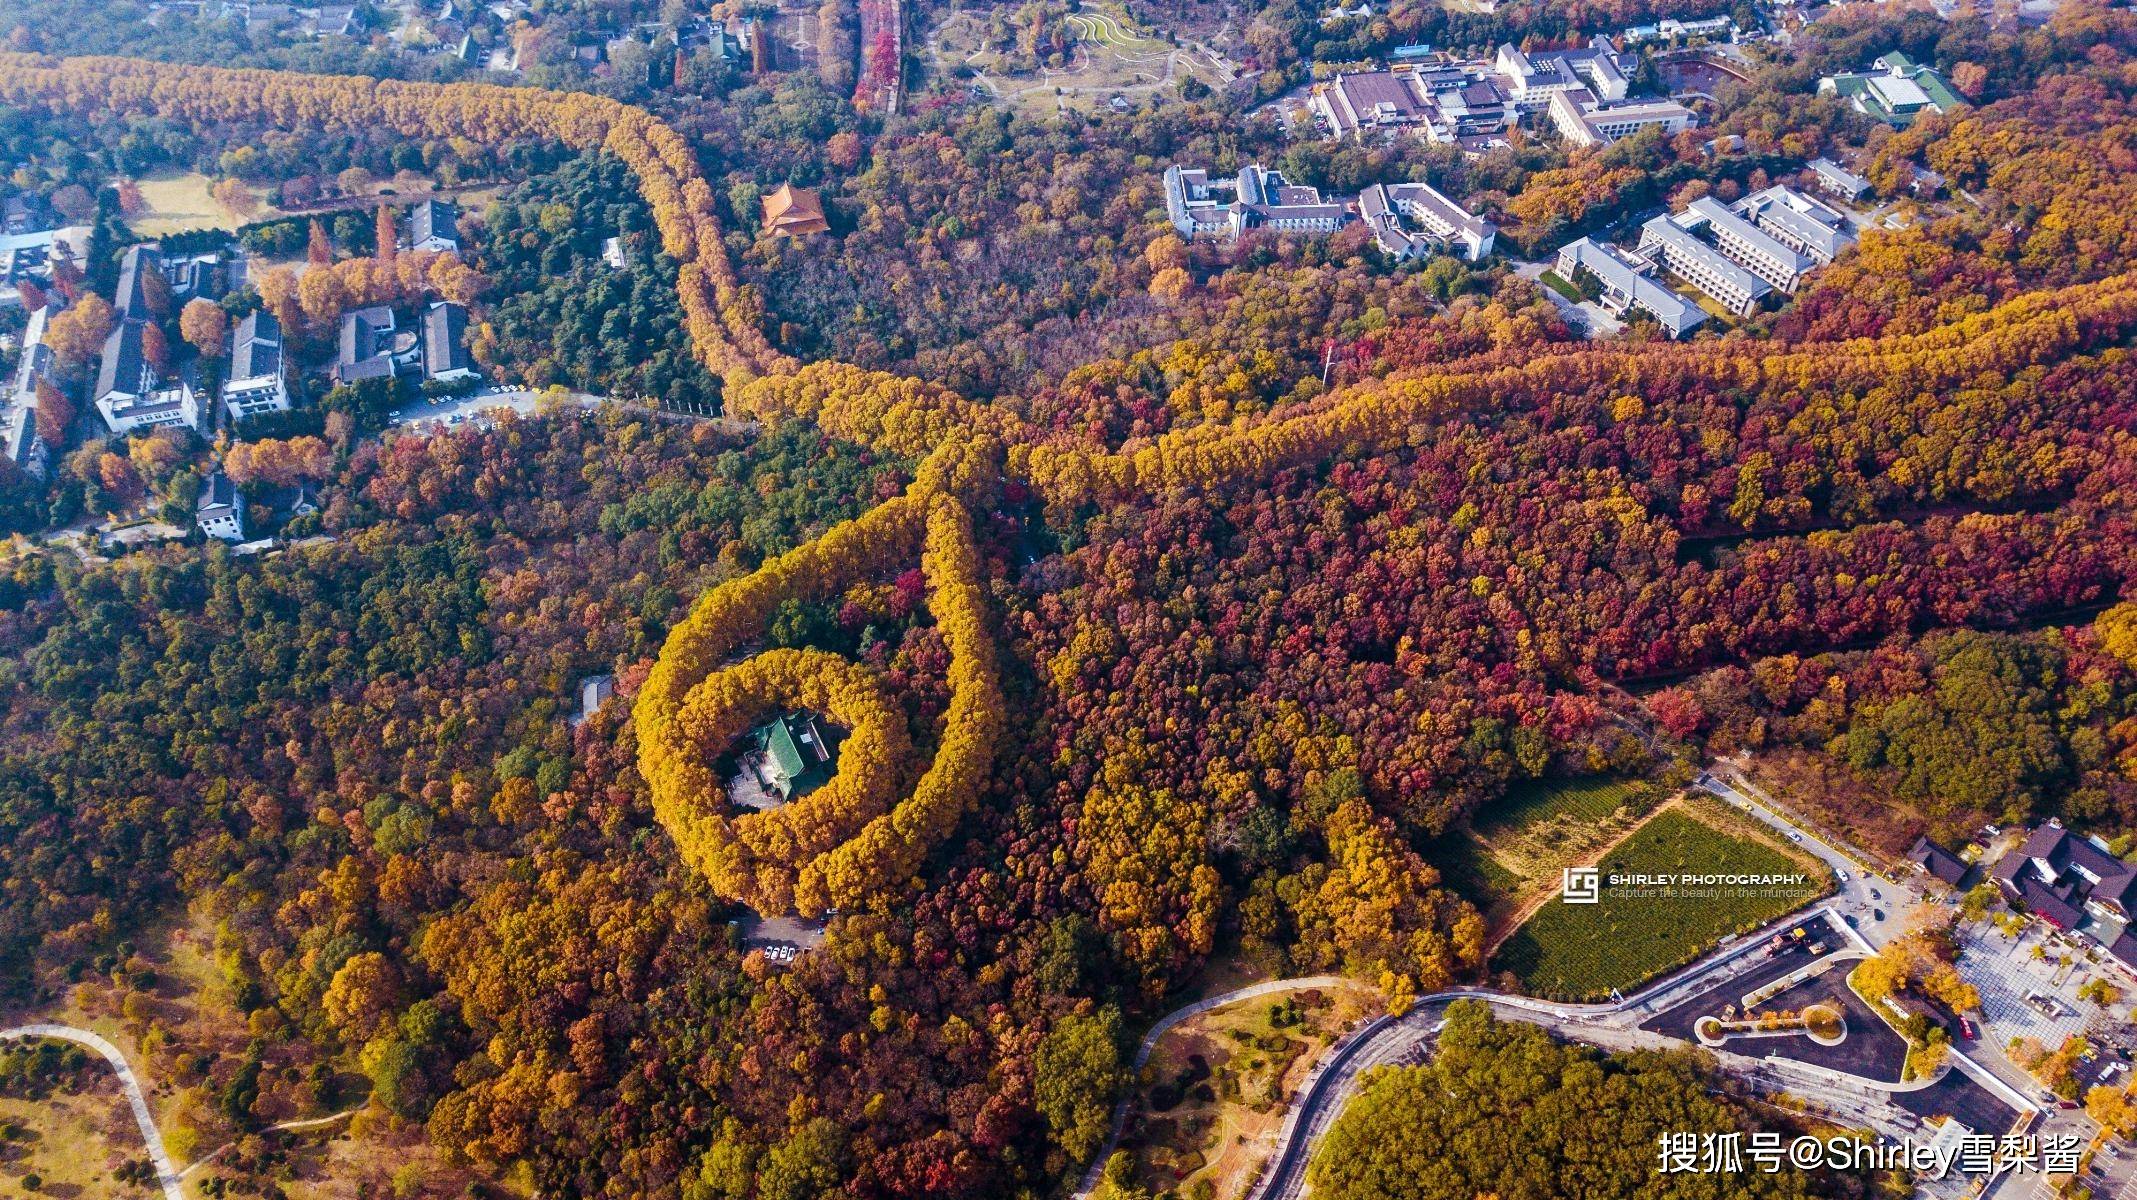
(71, 1140)
(1512, 852)
(178, 202)
(1559, 284)
(1111, 58)
(1581, 952)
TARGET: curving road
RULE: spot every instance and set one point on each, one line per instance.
(167, 1175)
(1615, 1026)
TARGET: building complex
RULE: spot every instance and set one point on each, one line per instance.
(1894, 90)
(1474, 102)
(1740, 254)
(1407, 220)
(2075, 884)
(1627, 283)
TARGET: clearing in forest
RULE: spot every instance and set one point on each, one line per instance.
(179, 202)
(1108, 56)
(1510, 857)
(1583, 951)
(1218, 1084)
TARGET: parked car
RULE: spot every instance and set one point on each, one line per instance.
(1967, 1030)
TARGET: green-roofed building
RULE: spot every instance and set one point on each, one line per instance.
(798, 753)
(1895, 90)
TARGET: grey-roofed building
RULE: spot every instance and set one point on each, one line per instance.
(1585, 121)
(2059, 876)
(1837, 180)
(1628, 284)
(221, 509)
(1412, 219)
(1803, 224)
(135, 267)
(373, 346)
(1745, 243)
(1938, 862)
(445, 356)
(335, 20)
(434, 225)
(24, 213)
(258, 379)
(1352, 103)
(1255, 198)
(1535, 77)
(1731, 286)
(18, 420)
(128, 393)
(2124, 948)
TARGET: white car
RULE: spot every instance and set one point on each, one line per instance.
(1842, 872)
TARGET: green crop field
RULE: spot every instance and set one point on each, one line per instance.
(1580, 952)
(1467, 866)
(1586, 801)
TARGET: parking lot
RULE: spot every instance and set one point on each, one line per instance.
(450, 411)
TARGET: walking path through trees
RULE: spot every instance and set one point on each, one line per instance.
(168, 1176)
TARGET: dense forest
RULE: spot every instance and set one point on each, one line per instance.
(1505, 1110)
(1165, 646)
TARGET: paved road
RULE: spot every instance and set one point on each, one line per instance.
(1860, 896)
(1614, 1026)
(167, 1174)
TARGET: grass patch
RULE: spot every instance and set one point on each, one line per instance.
(1581, 952)
(1560, 284)
(179, 202)
(1214, 1093)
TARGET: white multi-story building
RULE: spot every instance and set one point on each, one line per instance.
(1534, 78)
(130, 396)
(19, 440)
(1255, 198)
(1584, 122)
(1731, 286)
(221, 509)
(1409, 220)
(1803, 224)
(259, 380)
(1628, 285)
(1837, 180)
(1746, 244)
